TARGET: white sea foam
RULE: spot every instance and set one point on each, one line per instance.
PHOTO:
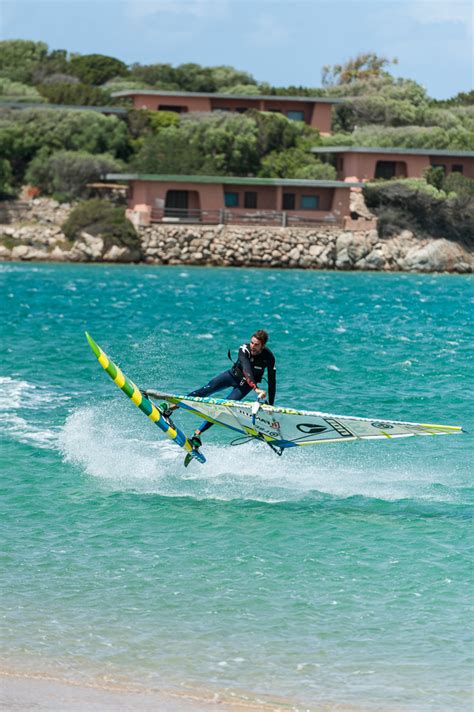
(127, 457)
(20, 404)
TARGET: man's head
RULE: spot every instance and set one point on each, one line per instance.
(258, 341)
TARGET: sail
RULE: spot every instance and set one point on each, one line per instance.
(287, 427)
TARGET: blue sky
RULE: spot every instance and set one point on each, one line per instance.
(280, 41)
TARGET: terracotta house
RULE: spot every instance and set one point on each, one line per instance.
(218, 199)
(363, 163)
(315, 111)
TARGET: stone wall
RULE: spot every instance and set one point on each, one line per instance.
(35, 234)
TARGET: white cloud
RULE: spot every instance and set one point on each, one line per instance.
(195, 8)
(268, 31)
(440, 12)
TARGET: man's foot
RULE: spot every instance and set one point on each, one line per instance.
(167, 409)
(195, 441)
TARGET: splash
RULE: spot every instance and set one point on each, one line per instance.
(126, 457)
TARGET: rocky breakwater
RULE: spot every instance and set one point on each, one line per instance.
(34, 233)
(318, 248)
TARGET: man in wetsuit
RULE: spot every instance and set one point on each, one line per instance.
(245, 375)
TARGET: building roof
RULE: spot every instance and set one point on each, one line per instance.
(69, 107)
(233, 180)
(395, 151)
(211, 95)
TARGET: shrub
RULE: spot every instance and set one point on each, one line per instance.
(295, 163)
(74, 94)
(16, 91)
(435, 176)
(99, 217)
(418, 206)
(24, 133)
(67, 173)
(5, 178)
(96, 69)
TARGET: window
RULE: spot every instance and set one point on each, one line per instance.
(242, 109)
(296, 115)
(175, 109)
(309, 202)
(275, 111)
(385, 169)
(439, 165)
(250, 199)
(231, 200)
(457, 168)
(288, 201)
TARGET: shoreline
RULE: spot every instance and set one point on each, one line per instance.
(45, 692)
(38, 237)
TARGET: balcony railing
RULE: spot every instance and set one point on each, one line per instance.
(278, 218)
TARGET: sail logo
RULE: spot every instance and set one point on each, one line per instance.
(336, 425)
(311, 428)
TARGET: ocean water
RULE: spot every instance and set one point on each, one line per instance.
(339, 574)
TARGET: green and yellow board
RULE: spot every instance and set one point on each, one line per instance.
(142, 402)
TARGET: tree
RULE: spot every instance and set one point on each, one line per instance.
(24, 133)
(99, 217)
(96, 69)
(365, 66)
(16, 91)
(74, 94)
(5, 178)
(295, 163)
(19, 59)
(67, 173)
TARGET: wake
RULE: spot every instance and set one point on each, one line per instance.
(127, 457)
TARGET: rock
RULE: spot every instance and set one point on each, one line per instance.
(121, 254)
(358, 208)
(439, 256)
(5, 253)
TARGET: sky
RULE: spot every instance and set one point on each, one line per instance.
(283, 42)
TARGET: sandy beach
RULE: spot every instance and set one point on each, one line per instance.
(45, 693)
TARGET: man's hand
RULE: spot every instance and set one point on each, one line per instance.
(262, 395)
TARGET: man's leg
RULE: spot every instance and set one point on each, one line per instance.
(237, 393)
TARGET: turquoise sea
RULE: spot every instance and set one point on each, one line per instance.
(339, 574)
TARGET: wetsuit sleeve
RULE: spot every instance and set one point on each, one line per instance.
(271, 380)
(246, 367)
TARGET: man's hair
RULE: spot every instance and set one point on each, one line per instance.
(261, 335)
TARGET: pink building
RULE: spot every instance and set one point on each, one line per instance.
(218, 199)
(363, 163)
(315, 111)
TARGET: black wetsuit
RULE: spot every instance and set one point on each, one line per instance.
(244, 376)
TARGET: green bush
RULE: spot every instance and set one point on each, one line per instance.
(295, 163)
(5, 178)
(24, 133)
(96, 69)
(434, 176)
(420, 207)
(20, 58)
(99, 217)
(74, 94)
(16, 91)
(67, 173)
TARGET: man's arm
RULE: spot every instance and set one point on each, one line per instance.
(246, 367)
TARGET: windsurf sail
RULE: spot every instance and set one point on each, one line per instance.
(144, 403)
(286, 427)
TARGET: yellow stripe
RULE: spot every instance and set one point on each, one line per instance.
(386, 434)
(136, 396)
(456, 428)
(119, 378)
(103, 360)
(155, 414)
